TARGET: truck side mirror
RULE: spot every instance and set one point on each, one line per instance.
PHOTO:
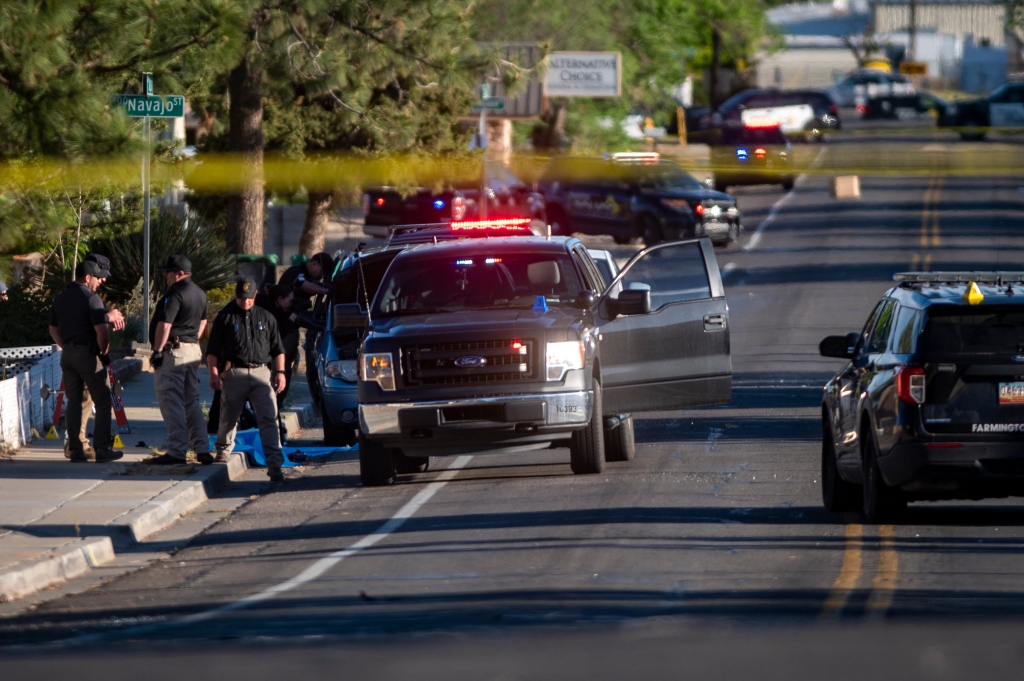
(585, 300)
(630, 302)
(349, 316)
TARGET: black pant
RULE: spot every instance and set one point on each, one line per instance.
(83, 369)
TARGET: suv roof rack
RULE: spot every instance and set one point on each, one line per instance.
(997, 278)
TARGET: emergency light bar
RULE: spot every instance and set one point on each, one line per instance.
(637, 156)
(491, 224)
(998, 278)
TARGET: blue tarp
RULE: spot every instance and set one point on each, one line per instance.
(248, 442)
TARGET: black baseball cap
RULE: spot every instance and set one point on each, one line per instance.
(246, 287)
(177, 263)
(101, 260)
(92, 268)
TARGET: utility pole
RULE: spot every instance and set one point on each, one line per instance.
(147, 90)
(912, 32)
(485, 93)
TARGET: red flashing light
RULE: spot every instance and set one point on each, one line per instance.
(760, 152)
(380, 202)
(700, 209)
(910, 384)
(515, 223)
(516, 345)
(757, 123)
(861, 109)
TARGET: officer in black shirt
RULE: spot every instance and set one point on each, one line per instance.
(178, 322)
(308, 279)
(244, 340)
(78, 325)
(279, 303)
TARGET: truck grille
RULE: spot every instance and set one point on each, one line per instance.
(488, 361)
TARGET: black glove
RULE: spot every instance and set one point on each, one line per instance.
(301, 305)
(157, 358)
(105, 360)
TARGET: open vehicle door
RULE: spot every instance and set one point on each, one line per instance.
(664, 331)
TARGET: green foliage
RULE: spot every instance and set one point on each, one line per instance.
(170, 234)
(24, 317)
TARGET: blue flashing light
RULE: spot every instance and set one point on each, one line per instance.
(464, 262)
(439, 203)
(741, 154)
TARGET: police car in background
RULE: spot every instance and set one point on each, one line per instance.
(1002, 110)
(755, 153)
(634, 197)
(856, 88)
(803, 114)
(930, 402)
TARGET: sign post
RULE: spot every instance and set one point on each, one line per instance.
(480, 142)
(146, 106)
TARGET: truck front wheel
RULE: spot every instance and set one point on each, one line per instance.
(586, 449)
(376, 464)
(619, 442)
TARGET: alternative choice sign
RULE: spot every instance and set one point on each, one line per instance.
(154, 106)
(584, 74)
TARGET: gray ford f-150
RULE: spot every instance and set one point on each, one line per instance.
(513, 344)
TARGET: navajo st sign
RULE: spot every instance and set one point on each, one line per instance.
(154, 106)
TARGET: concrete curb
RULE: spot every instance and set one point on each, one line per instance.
(298, 416)
(159, 513)
(126, 369)
(67, 562)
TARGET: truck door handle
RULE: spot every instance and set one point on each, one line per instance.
(714, 322)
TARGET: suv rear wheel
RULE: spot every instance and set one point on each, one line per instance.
(586, 449)
(620, 441)
(882, 504)
(376, 465)
(650, 229)
(837, 494)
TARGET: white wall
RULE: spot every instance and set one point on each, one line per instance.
(804, 68)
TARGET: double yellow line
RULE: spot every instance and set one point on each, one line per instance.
(930, 213)
(883, 586)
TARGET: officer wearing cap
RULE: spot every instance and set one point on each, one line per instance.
(244, 340)
(307, 279)
(178, 322)
(116, 321)
(78, 325)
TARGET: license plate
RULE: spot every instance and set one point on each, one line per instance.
(1011, 393)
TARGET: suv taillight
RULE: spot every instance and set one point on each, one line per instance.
(910, 384)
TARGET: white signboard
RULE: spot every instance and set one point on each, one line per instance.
(584, 74)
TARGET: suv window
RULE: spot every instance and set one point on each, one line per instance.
(595, 282)
(956, 328)
(687, 279)
(664, 175)
(878, 340)
(906, 330)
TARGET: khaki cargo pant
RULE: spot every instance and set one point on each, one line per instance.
(237, 386)
(177, 392)
(83, 370)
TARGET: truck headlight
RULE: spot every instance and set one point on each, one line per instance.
(345, 369)
(378, 367)
(563, 356)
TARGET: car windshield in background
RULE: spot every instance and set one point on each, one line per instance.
(661, 176)
(452, 284)
(981, 330)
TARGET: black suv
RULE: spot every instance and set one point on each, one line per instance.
(931, 404)
(515, 344)
(634, 197)
(752, 154)
(804, 114)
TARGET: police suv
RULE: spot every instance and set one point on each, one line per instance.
(634, 197)
(930, 404)
(1003, 110)
(517, 344)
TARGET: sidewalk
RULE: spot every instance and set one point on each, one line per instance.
(59, 520)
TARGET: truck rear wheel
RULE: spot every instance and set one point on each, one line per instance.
(409, 464)
(620, 442)
(376, 465)
(586, 449)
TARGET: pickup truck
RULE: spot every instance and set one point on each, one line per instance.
(517, 344)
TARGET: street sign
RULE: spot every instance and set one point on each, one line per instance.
(914, 68)
(158, 106)
(490, 103)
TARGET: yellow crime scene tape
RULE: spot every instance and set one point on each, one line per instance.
(225, 173)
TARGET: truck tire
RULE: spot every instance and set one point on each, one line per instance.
(882, 504)
(620, 442)
(376, 465)
(409, 464)
(837, 495)
(650, 229)
(586, 449)
(337, 435)
(971, 133)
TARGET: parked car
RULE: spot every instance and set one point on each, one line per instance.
(1002, 110)
(862, 85)
(634, 197)
(918, 106)
(756, 153)
(802, 114)
(507, 197)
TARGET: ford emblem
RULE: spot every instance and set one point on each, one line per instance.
(470, 361)
(1018, 358)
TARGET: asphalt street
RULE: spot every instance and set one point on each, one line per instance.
(709, 553)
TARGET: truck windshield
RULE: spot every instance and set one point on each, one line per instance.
(981, 330)
(456, 283)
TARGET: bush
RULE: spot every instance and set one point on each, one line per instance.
(24, 318)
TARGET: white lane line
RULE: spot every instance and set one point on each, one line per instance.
(755, 239)
(327, 562)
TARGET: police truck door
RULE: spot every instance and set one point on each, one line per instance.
(677, 354)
